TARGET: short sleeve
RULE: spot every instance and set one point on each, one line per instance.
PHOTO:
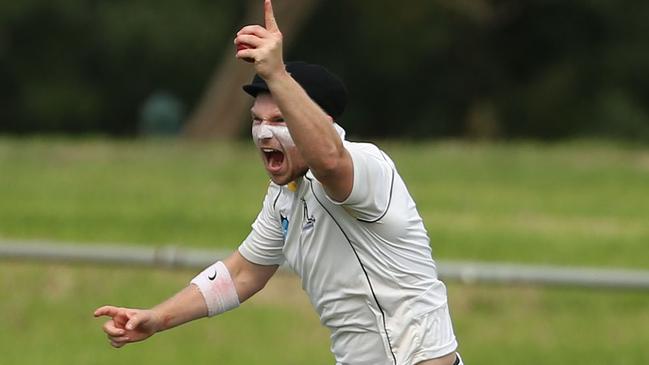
(373, 181)
(264, 244)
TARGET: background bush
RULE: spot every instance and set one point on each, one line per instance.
(509, 68)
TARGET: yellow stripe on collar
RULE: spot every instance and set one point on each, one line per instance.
(292, 186)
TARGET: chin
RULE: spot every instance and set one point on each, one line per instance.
(284, 179)
(280, 180)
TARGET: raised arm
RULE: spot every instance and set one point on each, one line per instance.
(128, 325)
(310, 127)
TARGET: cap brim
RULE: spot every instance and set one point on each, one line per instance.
(254, 89)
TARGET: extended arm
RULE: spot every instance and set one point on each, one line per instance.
(132, 325)
(314, 135)
(189, 303)
(310, 127)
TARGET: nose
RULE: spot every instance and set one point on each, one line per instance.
(262, 131)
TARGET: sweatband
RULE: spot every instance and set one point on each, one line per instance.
(217, 288)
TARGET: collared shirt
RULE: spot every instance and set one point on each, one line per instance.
(365, 263)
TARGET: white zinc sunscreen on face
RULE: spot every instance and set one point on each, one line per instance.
(263, 130)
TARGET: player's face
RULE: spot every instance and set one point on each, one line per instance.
(281, 158)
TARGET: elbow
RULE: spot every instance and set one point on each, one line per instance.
(329, 165)
(247, 286)
(249, 282)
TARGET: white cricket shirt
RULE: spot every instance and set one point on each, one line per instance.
(365, 263)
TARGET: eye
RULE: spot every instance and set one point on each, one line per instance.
(256, 120)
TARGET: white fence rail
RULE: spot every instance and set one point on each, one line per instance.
(467, 272)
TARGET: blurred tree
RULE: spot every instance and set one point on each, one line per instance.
(222, 109)
(481, 68)
(161, 115)
(86, 66)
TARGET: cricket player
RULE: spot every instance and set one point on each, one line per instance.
(336, 212)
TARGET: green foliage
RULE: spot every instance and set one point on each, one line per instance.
(80, 66)
(544, 69)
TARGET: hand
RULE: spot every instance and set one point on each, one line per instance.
(128, 325)
(263, 46)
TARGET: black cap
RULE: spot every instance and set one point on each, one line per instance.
(325, 88)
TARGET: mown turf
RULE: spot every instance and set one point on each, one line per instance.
(572, 204)
(579, 203)
(46, 318)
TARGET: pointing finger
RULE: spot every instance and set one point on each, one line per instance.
(107, 310)
(271, 23)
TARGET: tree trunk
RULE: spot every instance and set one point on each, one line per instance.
(224, 106)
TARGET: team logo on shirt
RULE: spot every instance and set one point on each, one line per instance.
(310, 219)
(284, 225)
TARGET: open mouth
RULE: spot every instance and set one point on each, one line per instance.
(274, 158)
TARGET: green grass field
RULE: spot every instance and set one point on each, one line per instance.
(46, 318)
(580, 203)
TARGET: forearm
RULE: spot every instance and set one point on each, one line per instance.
(248, 278)
(310, 127)
(190, 303)
(187, 305)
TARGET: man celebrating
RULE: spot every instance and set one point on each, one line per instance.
(337, 212)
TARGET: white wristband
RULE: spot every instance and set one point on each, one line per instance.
(217, 288)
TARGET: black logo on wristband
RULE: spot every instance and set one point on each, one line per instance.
(212, 277)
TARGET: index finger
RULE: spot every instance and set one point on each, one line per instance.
(269, 16)
(107, 310)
